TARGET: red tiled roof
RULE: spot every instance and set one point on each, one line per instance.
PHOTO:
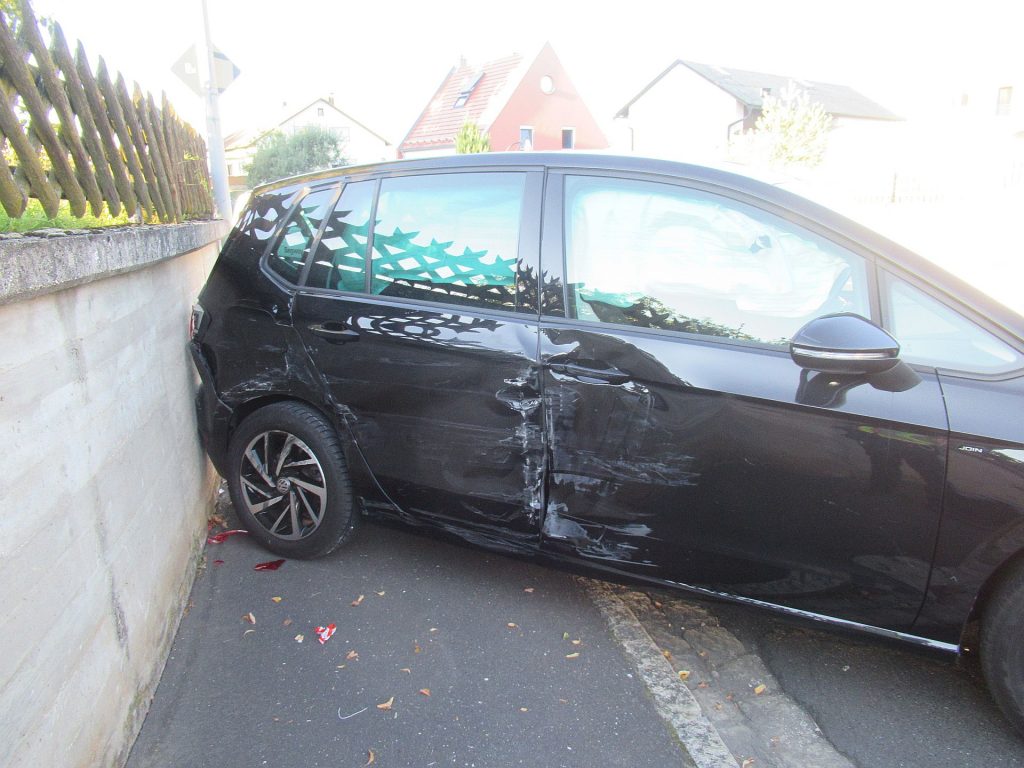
(441, 120)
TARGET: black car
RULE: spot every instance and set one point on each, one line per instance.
(656, 370)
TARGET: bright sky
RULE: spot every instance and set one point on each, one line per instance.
(382, 59)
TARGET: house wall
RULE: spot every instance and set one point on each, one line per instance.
(106, 489)
(548, 114)
(682, 117)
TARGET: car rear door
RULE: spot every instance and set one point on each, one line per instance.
(685, 442)
(428, 347)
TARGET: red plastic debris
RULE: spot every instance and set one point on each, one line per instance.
(223, 536)
(326, 633)
(270, 565)
(218, 562)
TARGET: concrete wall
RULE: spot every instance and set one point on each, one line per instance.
(106, 490)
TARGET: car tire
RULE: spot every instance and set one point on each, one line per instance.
(289, 483)
(1002, 649)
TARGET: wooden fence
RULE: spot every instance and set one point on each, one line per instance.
(103, 144)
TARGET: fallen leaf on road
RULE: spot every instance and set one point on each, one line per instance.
(299, 638)
(217, 520)
(386, 706)
(684, 674)
(563, 701)
(286, 623)
(748, 762)
(223, 536)
(249, 617)
(523, 709)
(434, 629)
(416, 648)
(351, 655)
(270, 565)
(277, 599)
(358, 601)
(340, 666)
(576, 642)
(247, 632)
(512, 625)
(657, 604)
(573, 655)
(371, 758)
(218, 562)
(759, 689)
(406, 670)
(529, 590)
(565, 635)
(381, 593)
(425, 691)
(667, 654)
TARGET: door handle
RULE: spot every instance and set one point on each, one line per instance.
(591, 375)
(336, 333)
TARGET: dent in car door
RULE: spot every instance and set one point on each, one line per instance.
(434, 367)
(686, 444)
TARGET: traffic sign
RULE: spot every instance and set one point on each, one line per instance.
(187, 69)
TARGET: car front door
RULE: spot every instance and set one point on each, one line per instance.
(685, 442)
(424, 329)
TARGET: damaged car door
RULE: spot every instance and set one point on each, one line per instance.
(687, 444)
(424, 328)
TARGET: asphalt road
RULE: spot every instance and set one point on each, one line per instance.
(490, 638)
(882, 704)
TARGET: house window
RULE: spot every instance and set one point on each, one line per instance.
(1003, 101)
(568, 138)
(319, 111)
(467, 89)
(526, 138)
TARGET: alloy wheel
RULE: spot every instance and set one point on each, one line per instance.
(283, 485)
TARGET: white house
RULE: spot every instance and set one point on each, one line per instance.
(694, 111)
(360, 144)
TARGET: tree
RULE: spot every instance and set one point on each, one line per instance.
(308, 149)
(471, 140)
(792, 129)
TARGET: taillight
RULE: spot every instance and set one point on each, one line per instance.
(195, 320)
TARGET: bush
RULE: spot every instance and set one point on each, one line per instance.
(792, 129)
(471, 140)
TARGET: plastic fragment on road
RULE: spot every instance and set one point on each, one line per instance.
(270, 565)
(220, 538)
(326, 633)
(218, 562)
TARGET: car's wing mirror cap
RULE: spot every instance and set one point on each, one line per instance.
(844, 343)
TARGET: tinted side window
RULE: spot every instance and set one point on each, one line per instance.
(451, 238)
(931, 333)
(293, 243)
(340, 259)
(257, 224)
(660, 256)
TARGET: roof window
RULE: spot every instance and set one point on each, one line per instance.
(467, 89)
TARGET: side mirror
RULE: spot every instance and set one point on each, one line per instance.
(846, 344)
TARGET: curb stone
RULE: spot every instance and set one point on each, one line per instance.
(735, 721)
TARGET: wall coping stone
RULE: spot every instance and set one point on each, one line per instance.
(48, 260)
